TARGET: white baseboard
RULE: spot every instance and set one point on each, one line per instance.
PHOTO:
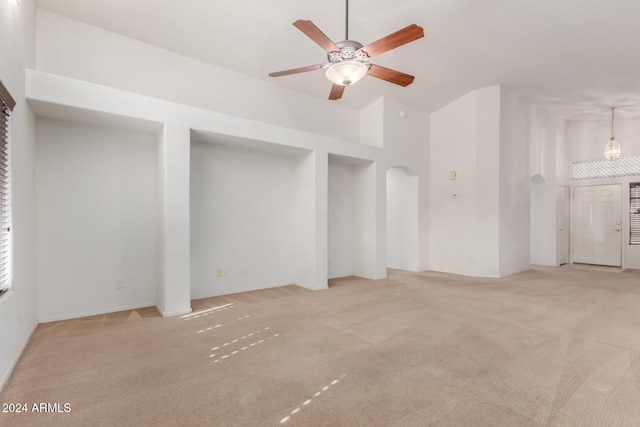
(95, 313)
(7, 375)
(173, 313)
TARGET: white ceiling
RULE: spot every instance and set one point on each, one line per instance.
(577, 57)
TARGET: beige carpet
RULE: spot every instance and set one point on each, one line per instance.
(552, 346)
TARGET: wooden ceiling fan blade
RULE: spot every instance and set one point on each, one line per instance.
(401, 37)
(316, 35)
(296, 70)
(390, 75)
(336, 92)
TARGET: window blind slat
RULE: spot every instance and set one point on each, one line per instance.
(7, 103)
(5, 97)
(634, 213)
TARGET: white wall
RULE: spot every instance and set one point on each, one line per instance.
(18, 307)
(547, 175)
(402, 220)
(453, 148)
(585, 141)
(241, 220)
(514, 173)
(480, 219)
(80, 51)
(369, 221)
(544, 222)
(403, 131)
(341, 219)
(465, 230)
(372, 123)
(406, 143)
(96, 220)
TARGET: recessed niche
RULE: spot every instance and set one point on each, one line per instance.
(243, 214)
(96, 197)
(351, 217)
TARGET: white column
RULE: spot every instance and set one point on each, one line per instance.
(174, 284)
(310, 220)
(321, 277)
(380, 221)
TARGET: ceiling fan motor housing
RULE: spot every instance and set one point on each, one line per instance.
(349, 50)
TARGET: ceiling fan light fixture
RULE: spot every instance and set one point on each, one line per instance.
(346, 73)
(348, 59)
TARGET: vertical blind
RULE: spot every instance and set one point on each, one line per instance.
(634, 213)
(6, 106)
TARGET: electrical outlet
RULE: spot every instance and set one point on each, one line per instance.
(119, 284)
(220, 272)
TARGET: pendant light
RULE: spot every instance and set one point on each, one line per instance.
(612, 149)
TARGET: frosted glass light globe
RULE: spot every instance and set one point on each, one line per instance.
(346, 73)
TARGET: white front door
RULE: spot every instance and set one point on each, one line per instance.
(563, 226)
(597, 219)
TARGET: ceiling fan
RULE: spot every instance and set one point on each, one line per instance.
(348, 59)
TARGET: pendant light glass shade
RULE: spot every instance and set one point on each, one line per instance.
(346, 73)
(612, 149)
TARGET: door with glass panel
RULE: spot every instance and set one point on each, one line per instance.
(597, 229)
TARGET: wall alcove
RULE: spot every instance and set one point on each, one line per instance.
(244, 201)
(402, 219)
(351, 217)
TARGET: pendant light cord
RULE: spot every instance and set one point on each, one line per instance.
(612, 108)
